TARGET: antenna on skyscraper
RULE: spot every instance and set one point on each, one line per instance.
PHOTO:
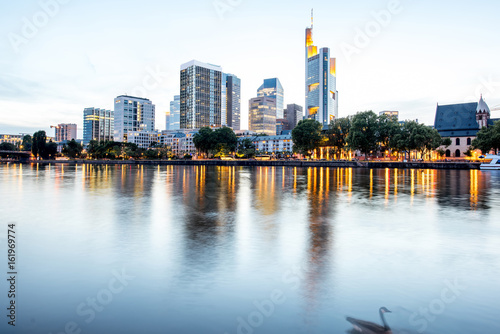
(312, 17)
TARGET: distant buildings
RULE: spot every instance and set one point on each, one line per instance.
(12, 139)
(320, 82)
(461, 122)
(132, 114)
(98, 124)
(390, 114)
(273, 88)
(262, 115)
(281, 125)
(65, 131)
(233, 101)
(173, 117)
(293, 114)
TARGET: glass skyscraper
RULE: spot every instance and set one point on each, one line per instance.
(233, 101)
(273, 88)
(262, 115)
(201, 95)
(133, 114)
(98, 124)
(320, 82)
(173, 117)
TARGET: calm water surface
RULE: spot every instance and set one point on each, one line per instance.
(128, 249)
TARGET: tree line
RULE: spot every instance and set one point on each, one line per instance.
(367, 133)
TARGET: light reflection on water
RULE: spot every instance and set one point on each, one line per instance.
(208, 244)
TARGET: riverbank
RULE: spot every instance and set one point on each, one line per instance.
(271, 163)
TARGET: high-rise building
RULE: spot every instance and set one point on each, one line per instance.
(98, 124)
(133, 114)
(320, 82)
(65, 131)
(293, 114)
(233, 101)
(173, 117)
(390, 113)
(262, 115)
(273, 88)
(201, 95)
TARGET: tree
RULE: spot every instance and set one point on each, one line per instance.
(50, 150)
(73, 149)
(337, 133)
(224, 140)
(306, 136)
(388, 128)
(203, 140)
(363, 135)
(446, 142)
(27, 143)
(246, 148)
(7, 147)
(39, 143)
(488, 138)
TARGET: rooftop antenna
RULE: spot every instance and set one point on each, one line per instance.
(312, 17)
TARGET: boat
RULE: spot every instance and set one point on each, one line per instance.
(494, 163)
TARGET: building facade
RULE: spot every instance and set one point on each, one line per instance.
(461, 123)
(98, 124)
(132, 114)
(65, 131)
(271, 144)
(262, 115)
(180, 142)
(173, 116)
(293, 114)
(233, 102)
(273, 88)
(321, 95)
(201, 95)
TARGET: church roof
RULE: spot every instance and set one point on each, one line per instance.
(482, 106)
(456, 120)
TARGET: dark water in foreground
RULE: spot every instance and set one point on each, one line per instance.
(121, 249)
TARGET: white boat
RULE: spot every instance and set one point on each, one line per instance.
(494, 163)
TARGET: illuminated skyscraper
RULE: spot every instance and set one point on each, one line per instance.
(133, 114)
(320, 82)
(98, 124)
(273, 88)
(201, 95)
(262, 115)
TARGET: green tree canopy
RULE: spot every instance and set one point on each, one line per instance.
(7, 147)
(203, 140)
(73, 149)
(246, 148)
(27, 143)
(364, 132)
(39, 143)
(337, 133)
(307, 136)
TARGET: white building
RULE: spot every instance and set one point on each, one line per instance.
(271, 144)
(180, 141)
(143, 139)
(132, 114)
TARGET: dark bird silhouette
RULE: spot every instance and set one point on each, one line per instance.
(367, 327)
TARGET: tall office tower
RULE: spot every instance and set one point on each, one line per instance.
(133, 114)
(321, 82)
(262, 115)
(273, 88)
(201, 102)
(233, 101)
(173, 117)
(98, 124)
(65, 131)
(293, 114)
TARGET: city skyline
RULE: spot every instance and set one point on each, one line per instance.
(413, 58)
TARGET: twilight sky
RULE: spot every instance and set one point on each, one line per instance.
(85, 53)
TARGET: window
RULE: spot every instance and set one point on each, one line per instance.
(448, 153)
(469, 141)
(457, 141)
(457, 154)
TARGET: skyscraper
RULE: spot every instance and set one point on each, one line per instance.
(98, 124)
(65, 131)
(273, 88)
(133, 114)
(262, 115)
(201, 95)
(293, 114)
(320, 82)
(233, 101)
(174, 115)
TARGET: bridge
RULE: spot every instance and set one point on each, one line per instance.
(20, 155)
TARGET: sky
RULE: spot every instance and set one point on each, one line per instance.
(61, 56)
